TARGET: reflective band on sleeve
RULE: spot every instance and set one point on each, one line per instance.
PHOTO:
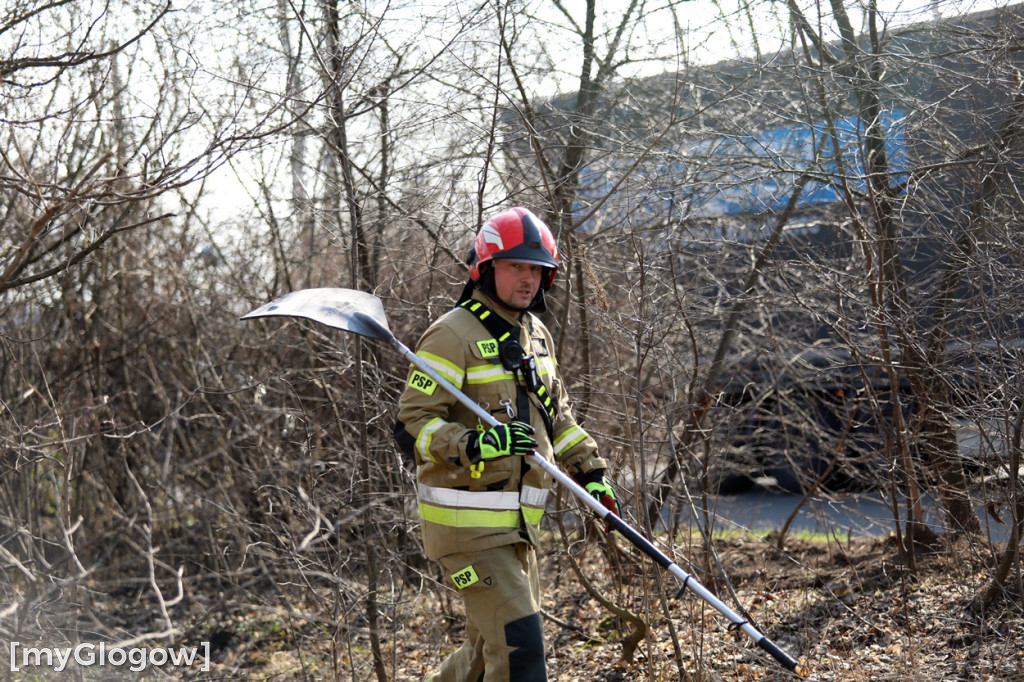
(425, 436)
(546, 366)
(568, 439)
(448, 370)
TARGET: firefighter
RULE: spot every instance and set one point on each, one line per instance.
(480, 501)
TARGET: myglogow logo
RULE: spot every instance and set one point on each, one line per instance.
(135, 659)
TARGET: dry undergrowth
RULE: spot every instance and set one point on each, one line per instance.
(849, 612)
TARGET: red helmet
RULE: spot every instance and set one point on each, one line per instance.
(519, 235)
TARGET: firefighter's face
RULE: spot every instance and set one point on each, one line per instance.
(516, 283)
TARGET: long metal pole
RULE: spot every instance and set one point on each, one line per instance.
(613, 521)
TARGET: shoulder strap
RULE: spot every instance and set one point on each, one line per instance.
(514, 359)
(499, 328)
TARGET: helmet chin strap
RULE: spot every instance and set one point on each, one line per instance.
(538, 304)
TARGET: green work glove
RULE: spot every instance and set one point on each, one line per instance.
(598, 485)
(514, 438)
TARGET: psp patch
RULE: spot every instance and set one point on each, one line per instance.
(465, 578)
(421, 382)
(488, 348)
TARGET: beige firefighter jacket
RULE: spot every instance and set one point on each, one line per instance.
(465, 507)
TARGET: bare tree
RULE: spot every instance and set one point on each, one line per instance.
(733, 305)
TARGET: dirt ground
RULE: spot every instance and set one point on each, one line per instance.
(848, 612)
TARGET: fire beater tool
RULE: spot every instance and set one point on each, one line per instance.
(363, 314)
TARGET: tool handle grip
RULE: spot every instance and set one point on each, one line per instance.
(778, 654)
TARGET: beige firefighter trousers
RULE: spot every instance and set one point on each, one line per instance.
(500, 589)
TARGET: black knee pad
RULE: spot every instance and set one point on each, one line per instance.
(526, 662)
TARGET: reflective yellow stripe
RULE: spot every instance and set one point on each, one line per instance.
(545, 365)
(446, 369)
(425, 436)
(469, 518)
(475, 306)
(496, 500)
(533, 501)
(465, 509)
(568, 439)
(486, 374)
(533, 515)
(545, 400)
